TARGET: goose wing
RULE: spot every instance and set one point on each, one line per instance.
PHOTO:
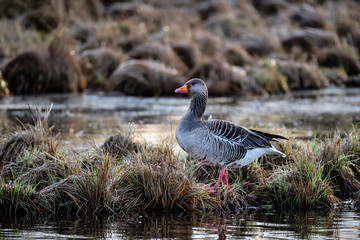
(234, 134)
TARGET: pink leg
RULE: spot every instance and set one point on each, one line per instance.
(223, 175)
(226, 180)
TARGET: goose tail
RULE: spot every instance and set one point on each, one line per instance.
(277, 152)
(268, 136)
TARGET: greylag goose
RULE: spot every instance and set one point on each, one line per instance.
(219, 142)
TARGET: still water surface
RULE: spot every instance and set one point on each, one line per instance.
(267, 225)
(98, 116)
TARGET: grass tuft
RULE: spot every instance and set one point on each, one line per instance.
(301, 185)
(40, 176)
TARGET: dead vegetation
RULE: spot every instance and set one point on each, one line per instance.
(98, 64)
(144, 78)
(190, 37)
(55, 70)
(39, 176)
(4, 90)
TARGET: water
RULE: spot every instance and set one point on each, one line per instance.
(267, 225)
(98, 116)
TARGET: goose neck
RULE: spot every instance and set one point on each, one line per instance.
(198, 105)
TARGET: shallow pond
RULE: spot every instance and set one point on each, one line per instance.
(96, 117)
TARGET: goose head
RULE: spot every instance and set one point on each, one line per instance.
(193, 87)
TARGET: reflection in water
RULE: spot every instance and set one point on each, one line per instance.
(265, 225)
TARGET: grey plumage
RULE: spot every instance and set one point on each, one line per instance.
(216, 141)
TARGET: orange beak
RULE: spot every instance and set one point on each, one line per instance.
(182, 89)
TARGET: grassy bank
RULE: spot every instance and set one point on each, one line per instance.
(39, 175)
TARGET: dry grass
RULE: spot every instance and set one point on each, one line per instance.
(29, 140)
(317, 174)
(270, 79)
(53, 70)
(144, 78)
(301, 184)
(40, 176)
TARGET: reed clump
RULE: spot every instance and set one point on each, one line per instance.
(19, 197)
(270, 79)
(318, 174)
(301, 184)
(29, 143)
(39, 176)
(340, 158)
(155, 179)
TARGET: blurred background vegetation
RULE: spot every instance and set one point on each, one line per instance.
(150, 47)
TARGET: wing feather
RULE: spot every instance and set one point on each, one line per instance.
(238, 135)
(230, 142)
